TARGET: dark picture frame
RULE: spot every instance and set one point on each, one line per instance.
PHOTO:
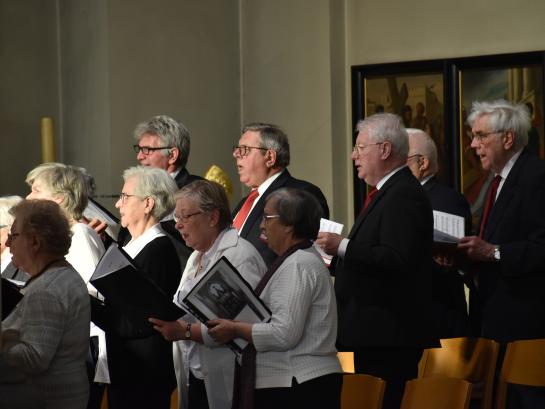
(459, 76)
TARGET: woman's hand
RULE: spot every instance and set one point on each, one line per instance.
(222, 331)
(170, 330)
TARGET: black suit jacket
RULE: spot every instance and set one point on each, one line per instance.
(251, 231)
(511, 292)
(449, 301)
(185, 178)
(382, 283)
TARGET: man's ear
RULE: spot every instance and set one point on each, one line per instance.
(270, 158)
(385, 150)
(424, 163)
(508, 139)
(174, 154)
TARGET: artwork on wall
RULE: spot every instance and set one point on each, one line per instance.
(437, 95)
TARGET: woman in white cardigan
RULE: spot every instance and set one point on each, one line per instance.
(203, 218)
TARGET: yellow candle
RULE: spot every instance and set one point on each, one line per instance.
(48, 140)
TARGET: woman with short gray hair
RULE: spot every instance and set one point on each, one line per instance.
(140, 365)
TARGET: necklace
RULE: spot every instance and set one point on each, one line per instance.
(44, 269)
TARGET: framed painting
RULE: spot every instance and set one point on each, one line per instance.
(415, 91)
(515, 78)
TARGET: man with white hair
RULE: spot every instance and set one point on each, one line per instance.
(383, 275)
(507, 256)
(450, 307)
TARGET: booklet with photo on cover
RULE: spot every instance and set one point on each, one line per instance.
(223, 293)
(130, 291)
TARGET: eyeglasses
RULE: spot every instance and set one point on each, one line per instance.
(123, 197)
(416, 155)
(360, 148)
(269, 217)
(240, 151)
(185, 219)
(480, 136)
(146, 150)
(12, 236)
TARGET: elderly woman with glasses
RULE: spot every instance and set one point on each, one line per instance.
(203, 218)
(45, 339)
(140, 365)
(291, 361)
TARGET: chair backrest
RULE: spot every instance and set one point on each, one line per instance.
(434, 393)
(347, 361)
(470, 359)
(362, 392)
(524, 364)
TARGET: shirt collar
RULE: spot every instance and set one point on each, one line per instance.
(388, 176)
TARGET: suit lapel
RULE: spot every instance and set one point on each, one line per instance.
(507, 193)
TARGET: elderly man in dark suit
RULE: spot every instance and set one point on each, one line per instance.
(262, 156)
(450, 307)
(383, 274)
(508, 254)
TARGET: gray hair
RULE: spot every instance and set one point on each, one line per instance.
(171, 133)
(208, 196)
(6, 203)
(65, 181)
(426, 147)
(299, 209)
(155, 183)
(504, 116)
(386, 127)
(46, 220)
(274, 138)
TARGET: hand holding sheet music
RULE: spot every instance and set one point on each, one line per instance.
(223, 293)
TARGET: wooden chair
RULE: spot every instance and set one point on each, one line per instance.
(470, 359)
(436, 393)
(524, 364)
(347, 361)
(362, 392)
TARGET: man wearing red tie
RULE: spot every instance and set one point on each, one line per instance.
(383, 275)
(262, 156)
(508, 256)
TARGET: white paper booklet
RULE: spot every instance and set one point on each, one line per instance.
(328, 226)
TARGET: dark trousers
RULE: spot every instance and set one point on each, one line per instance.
(323, 392)
(394, 365)
(196, 396)
(96, 390)
(141, 396)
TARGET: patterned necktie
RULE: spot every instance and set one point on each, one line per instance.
(490, 199)
(245, 210)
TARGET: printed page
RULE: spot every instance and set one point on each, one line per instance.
(328, 226)
(449, 224)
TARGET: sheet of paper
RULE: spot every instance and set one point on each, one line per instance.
(450, 224)
(328, 226)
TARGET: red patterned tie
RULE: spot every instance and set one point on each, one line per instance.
(490, 199)
(241, 216)
(370, 195)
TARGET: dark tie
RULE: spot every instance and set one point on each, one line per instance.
(370, 195)
(241, 216)
(490, 199)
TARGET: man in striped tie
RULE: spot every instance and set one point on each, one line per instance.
(262, 156)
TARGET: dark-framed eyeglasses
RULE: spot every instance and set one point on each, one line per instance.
(358, 149)
(185, 218)
(480, 136)
(416, 155)
(146, 150)
(12, 236)
(240, 151)
(269, 217)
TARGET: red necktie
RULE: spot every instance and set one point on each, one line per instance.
(370, 195)
(241, 216)
(490, 199)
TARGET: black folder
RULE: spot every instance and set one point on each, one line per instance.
(129, 291)
(10, 297)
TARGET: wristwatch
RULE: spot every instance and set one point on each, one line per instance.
(496, 253)
(188, 331)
